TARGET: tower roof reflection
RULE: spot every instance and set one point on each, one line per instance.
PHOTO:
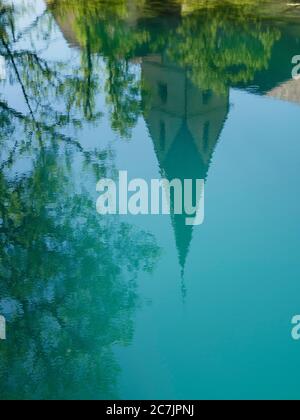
(184, 123)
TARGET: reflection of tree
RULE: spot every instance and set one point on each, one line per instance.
(63, 270)
(43, 82)
(221, 48)
(67, 276)
(220, 44)
(123, 96)
(101, 28)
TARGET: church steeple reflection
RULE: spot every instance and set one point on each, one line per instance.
(184, 123)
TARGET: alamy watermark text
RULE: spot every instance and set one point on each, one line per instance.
(2, 68)
(2, 328)
(160, 196)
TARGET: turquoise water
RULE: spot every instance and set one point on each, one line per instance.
(143, 307)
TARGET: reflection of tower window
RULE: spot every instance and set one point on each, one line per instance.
(206, 130)
(163, 92)
(206, 96)
(162, 136)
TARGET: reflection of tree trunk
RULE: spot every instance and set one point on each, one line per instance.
(18, 76)
(89, 74)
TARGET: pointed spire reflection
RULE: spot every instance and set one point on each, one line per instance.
(184, 123)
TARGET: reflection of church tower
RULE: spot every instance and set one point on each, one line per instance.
(185, 124)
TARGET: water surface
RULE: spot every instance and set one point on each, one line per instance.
(145, 307)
